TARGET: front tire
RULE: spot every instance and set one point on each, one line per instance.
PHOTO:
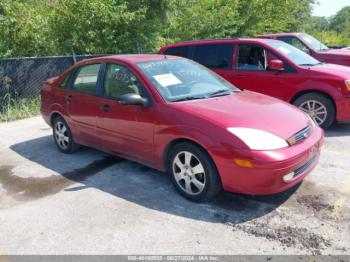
(63, 136)
(193, 172)
(319, 107)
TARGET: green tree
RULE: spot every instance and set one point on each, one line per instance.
(194, 19)
(317, 23)
(341, 21)
(23, 29)
(39, 27)
(52, 27)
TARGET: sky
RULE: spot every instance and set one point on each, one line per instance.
(328, 8)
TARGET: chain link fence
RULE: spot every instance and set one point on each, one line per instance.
(23, 77)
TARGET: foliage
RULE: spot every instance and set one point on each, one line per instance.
(43, 27)
(55, 27)
(332, 31)
(340, 23)
(193, 19)
(37, 27)
(13, 109)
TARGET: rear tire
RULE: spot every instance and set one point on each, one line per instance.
(63, 136)
(319, 107)
(193, 172)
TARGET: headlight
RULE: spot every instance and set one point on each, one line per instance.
(258, 139)
(347, 83)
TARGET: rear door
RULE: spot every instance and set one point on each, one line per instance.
(83, 104)
(126, 130)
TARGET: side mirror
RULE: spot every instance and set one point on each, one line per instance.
(276, 65)
(132, 99)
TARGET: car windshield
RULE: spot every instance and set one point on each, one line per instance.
(182, 79)
(294, 54)
(317, 45)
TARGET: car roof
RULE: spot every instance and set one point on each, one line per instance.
(129, 58)
(279, 34)
(225, 40)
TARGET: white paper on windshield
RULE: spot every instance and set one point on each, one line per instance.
(167, 80)
(284, 50)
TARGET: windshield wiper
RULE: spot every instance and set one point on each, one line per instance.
(187, 98)
(223, 92)
(320, 63)
(309, 64)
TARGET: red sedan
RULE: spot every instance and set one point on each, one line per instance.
(175, 115)
(277, 69)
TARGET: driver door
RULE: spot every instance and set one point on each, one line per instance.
(251, 72)
(126, 130)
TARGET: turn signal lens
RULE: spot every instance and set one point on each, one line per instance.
(347, 83)
(243, 163)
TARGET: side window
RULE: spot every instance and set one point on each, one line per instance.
(182, 51)
(214, 55)
(86, 79)
(294, 42)
(119, 80)
(254, 57)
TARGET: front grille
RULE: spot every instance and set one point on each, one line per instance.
(304, 167)
(300, 136)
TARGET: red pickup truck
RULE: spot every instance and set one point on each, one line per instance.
(313, 47)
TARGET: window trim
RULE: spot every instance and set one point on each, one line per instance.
(291, 71)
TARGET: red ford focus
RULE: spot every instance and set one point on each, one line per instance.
(175, 115)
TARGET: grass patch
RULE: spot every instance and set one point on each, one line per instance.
(19, 108)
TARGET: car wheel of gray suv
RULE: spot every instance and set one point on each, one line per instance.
(63, 136)
(193, 172)
(319, 107)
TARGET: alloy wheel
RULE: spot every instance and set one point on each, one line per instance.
(189, 173)
(61, 135)
(316, 110)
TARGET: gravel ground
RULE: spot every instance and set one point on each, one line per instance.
(93, 203)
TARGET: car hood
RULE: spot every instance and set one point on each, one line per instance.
(250, 110)
(332, 69)
(338, 52)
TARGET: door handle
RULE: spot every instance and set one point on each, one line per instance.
(241, 76)
(105, 108)
(68, 98)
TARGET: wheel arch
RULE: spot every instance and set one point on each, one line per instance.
(53, 116)
(304, 92)
(176, 141)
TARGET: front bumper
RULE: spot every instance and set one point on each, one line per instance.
(269, 167)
